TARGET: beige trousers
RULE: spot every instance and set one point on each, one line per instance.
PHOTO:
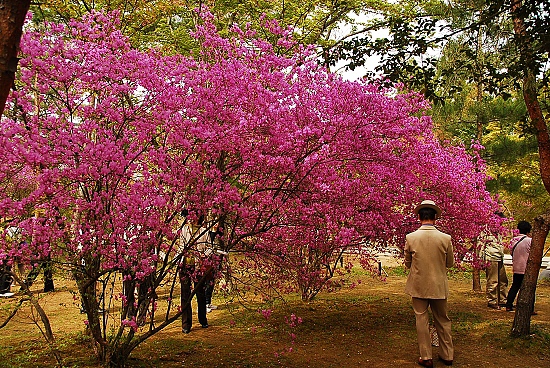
(497, 283)
(442, 325)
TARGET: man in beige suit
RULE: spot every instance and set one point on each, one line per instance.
(428, 253)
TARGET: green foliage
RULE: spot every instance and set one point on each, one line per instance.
(511, 148)
(464, 321)
(148, 23)
(25, 356)
(166, 24)
(397, 271)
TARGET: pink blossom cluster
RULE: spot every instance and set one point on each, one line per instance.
(296, 164)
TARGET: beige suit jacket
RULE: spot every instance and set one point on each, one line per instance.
(428, 253)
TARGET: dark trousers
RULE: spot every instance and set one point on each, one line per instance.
(46, 265)
(514, 289)
(5, 279)
(186, 291)
(208, 291)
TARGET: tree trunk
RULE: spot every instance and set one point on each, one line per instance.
(479, 84)
(86, 280)
(526, 297)
(476, 272)
(476, 279)
(47, 332)
(530, 94)
(12, 17)
(521, 325)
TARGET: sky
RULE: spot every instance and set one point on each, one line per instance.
(372, 61)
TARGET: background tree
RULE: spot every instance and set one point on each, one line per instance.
(428, 26)
(12, 16)
(531, 22)
(166, 24)
(461, 72)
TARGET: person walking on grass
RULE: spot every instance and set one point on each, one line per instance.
(521, 246)
(428, 253)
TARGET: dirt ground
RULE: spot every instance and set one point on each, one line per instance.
(371, 325)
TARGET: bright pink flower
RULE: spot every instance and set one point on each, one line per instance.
(295, 164)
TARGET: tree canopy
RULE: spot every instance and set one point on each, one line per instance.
(103, 145)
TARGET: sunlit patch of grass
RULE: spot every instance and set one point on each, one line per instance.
(397, 271)
(467, 316)
(28, 355)
(360, 271)
(463, 274)
(536, 344)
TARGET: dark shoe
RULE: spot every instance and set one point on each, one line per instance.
(185, 330)
(509, 309)
(425, 363)
(205, 325)
(446, 362)
(48, 286)
(502, 305)
(493, 306)
(533, 313)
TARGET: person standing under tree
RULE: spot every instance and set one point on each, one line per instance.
(5, 279)
(428, 253)
(521, 246)
(193, 237)
(497, 282)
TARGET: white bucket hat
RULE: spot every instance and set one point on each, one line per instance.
(428, 204)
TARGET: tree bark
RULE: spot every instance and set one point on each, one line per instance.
(476, 272)
(476, 280)
(12, 17)
(47, 332)
(479, 84)
(530, 93)
(526, 297)
(521, 325)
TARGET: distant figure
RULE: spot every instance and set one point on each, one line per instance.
(428, 253)
(215, 255)
(6, 275)
(46, 265)
(41, 262)
(5, 280)
(492, 251)
(521, 246)
(192, 233)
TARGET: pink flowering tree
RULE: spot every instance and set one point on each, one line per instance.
(291, 163)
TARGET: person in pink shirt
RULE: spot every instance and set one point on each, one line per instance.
(521, 245)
